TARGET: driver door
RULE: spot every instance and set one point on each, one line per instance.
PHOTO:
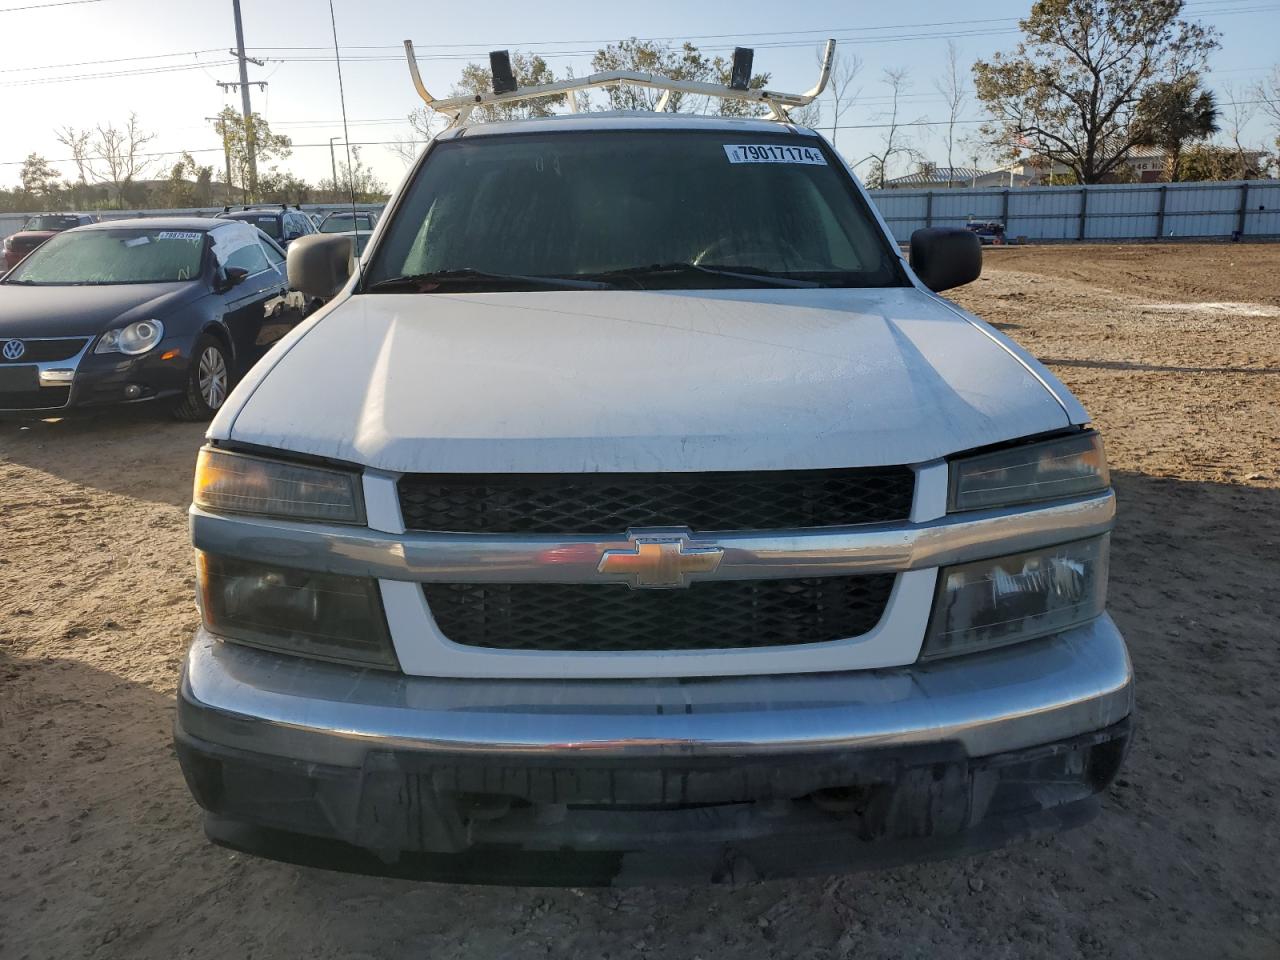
(246, 306)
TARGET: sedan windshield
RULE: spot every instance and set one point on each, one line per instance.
(53, 222)
(123, 255)
(665, 209)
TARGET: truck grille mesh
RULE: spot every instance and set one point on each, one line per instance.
(711, 615)
(612, 502)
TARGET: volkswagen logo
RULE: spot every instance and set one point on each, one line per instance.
(14, 349)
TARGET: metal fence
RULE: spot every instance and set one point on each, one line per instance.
(12, 222)
(1129, 211)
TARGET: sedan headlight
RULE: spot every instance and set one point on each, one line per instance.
(132, 340)
(317, 615)
(1063, 467)
(233, 482)
(1009, 599)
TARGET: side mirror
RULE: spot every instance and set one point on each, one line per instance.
(319, 264)
(231, 277)
(946, 257)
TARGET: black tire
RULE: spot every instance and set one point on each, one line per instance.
(208, 381)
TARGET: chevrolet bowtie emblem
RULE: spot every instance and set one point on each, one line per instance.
(660, 562)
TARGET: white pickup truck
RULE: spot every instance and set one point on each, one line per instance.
(635, 510)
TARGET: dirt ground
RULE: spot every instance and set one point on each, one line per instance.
(1176, 352)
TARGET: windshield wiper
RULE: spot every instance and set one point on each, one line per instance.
(754, 274)
(468, 275)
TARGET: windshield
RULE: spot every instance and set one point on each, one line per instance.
(50, 223)
(343, 222)
(599, 203)
(123, 255)
(268, 223)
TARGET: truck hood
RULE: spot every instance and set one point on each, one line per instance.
(643, 381)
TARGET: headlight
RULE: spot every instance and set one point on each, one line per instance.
(241, 483)
(1063, 467)
(8, 243)
(317, 615)
(1006, 600)
(134, 339)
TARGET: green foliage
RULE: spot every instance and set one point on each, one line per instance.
(1174, 113)
(1207, 162)
(189, 184)
(39, 179)
(358, 178)
(685, 62)
(529, 70)
(1071, 90)
(230, 126)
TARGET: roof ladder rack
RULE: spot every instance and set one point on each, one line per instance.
(459, 109)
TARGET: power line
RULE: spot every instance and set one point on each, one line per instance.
(41, 6)
(139, 72)
(95, 63)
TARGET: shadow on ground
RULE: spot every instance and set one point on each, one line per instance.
(137, 453)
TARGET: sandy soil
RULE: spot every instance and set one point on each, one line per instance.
(1177, 355)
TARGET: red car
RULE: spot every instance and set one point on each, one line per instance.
(36, 230)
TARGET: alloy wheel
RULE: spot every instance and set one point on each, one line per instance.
(212, 377)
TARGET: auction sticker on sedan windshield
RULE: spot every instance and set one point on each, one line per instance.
(772, 153)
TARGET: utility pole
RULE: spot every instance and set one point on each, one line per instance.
(250, 135)
(250, 139)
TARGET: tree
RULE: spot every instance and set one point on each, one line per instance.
(39, 178)
(1172, 114)
(529, 70)
(190, 185)
(1240, 109)
(893, 143)
(234, 133)
(1203, 161)
(110, 155)
(1070, 90)
(951, 86)
(356, 181)
(405, 146)
(275, 186)
(845, 68)
(685, 62)
(1267, 93)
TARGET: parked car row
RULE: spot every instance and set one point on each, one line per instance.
(163, 310)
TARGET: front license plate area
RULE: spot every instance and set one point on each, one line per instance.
(19, 379)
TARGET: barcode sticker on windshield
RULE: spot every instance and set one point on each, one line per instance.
(772, 153)
(193, 236)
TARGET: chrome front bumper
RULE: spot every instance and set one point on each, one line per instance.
(1019, 696)
(639, 781)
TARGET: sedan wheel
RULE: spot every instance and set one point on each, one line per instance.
(208, 381)
(212, 377)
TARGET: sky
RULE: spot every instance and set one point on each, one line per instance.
(167, 56)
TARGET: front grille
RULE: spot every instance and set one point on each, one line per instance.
(711, 615)
(43, 351)
(612, 502)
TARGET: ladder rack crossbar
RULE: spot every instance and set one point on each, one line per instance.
(779, 103)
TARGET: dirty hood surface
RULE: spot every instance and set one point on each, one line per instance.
(641, 381)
